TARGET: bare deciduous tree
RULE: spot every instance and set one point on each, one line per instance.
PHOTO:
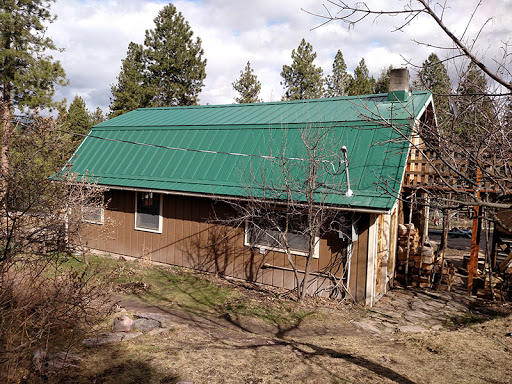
(463, 164)
(41, 218)
(287, 207)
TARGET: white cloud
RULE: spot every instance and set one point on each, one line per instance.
(96, 34)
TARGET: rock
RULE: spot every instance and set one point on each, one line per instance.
(51, 362)
(366, 326)
(110, 338)
(145, 325)
(123, 324)
(416, 316)
(412, 329)
(165, 321)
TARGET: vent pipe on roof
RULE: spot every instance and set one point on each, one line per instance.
(399, 84)
(349, 192)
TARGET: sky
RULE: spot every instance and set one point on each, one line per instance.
(95, 35)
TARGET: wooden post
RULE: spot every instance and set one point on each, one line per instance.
(444, 238)
(409, 227)
(475, 239)
(424, 229)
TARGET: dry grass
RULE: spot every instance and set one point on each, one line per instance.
(230, 334)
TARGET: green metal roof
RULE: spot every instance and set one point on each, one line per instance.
(178, 138)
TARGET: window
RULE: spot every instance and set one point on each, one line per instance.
(148, 212)
(92, 214)
(263, 234)
(93, 209)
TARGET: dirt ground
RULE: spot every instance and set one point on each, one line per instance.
(326, 344)
(325, 348)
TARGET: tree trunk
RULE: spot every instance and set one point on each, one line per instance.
(6, 126)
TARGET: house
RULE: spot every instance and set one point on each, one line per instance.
(169, 171)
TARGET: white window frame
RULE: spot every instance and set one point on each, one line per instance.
(263, 248)
(102, 215)
(160, 217)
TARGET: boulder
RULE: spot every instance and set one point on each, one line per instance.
(123, 324)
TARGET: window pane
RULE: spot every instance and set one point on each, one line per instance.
(264, 234)
(93, 214)
(148, 210)
(148, 221)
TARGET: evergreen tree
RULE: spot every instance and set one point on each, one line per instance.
(474, 107)
(130, 92)
(97, 117)
(302, 79)
(175, 67)
(78, 117)
(363, 83)
(433, 77)
(247, 86)
(28, 76)
(338, 83)
(382, 83)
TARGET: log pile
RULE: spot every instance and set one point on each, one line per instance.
(501, 286)
(421, 265)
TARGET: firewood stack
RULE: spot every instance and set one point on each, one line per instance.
(421, 258)
(444, 277)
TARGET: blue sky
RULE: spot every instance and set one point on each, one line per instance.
(95, 35)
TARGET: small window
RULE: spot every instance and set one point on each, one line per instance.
(91, 214)
(262, 234)
(93, 209)
(148, 212)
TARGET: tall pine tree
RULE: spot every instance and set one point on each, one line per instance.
(78, 117)
(474, 107)
(363, 83)
(168, 70)
(433, 77)
(175, 67)
(131, 90)
(248, 86)
(28, 74)
(303, 79)
(338, 83)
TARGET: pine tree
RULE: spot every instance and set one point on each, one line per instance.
(474, 107)
(363, 83)
(433, 77)
(28, 76)
(247, 86)
(382, 83)
(302, 79)
(130, 92)
(78, 117)
(175, 66)
(97, 116)
(338, 83)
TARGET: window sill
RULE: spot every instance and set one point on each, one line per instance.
(148, 230)
(264, 248)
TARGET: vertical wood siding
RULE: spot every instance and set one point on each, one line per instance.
(190, 239)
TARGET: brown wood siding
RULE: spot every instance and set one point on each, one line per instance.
(190, 239)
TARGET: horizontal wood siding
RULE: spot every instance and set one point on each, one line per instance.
(190, 239)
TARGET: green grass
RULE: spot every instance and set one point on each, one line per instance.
(180, 288)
